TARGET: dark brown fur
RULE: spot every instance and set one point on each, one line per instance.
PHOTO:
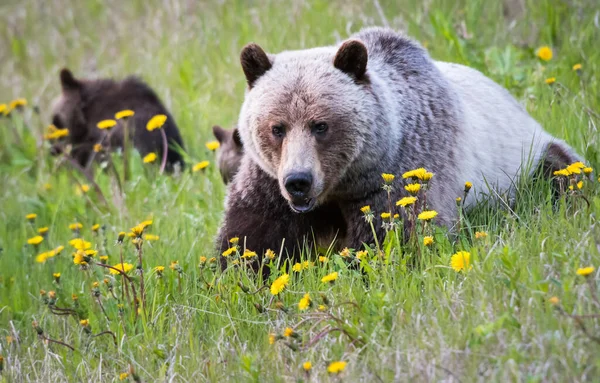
(85, 102)
(230, 152)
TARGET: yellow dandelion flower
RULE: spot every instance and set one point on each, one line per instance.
(80, 244)
(248, 254)
(56, 275)
(361, 254)
(270, 254)
(413, 188)
(366, 209)
(174, 265)
(234, 241)
(576, 165)
(3, 109)
(95, 227)
(124, 267)
(307, 366)
(137, 231)
(544, 53)
(322, 259)
(58, 250)
(396, 216)
(427, 215)
(84, 322)
(42, 257)
(427, 176)
(151, 237)
(461, 261)
(415, 173)
(577, 67)
(124, 114)
(562, 172)
(212, 145)
(91, 253)
(579, 184)
(288, 332)
(345, 252)
(280, 284)
(156, 122)
(150, 157)
(97, 148)
(84, 188)
(159, 269)
(458, 200)
(336, 367)
(330, 278)
(386, 215)
(80, 258)
(229, 251)
(554, 300)
(387, 178)
(305, 302)
(480, 234)
(106, 124)
(17, 103)
(123, 376)
(406, 201)
(428, 240)
(587, 170)
(550, 80)
(585, 271)
(203, 259)
(35, 241)
(297, 267)
(468, 186)
(272, 338)
(75, 226)
(200, 165)
(31, 217)
(322, 308)
(103, 258)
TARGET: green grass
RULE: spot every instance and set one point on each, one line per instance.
(411, 318)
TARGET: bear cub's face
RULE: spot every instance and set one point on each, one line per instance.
(67, 111)
(230, 152)
(301, 119)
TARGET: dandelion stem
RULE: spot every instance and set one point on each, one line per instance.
(107, 332)
(142, 290)
(102, 308)
(42, 336)
(165, 150)
(135, 300)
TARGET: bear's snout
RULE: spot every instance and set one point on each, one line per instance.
(299, 185)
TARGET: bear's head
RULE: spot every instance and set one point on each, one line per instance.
(306, 117)
(67, 111)
(230, 153)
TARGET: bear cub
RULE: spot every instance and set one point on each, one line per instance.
(230, 152)
(85, 102)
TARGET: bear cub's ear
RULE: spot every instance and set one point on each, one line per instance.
(255, 62)
(352, 59)
(68, 81)
(220, 133)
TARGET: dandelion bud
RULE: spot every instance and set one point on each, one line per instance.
(468, 186)
(121, 236)
(458, 201)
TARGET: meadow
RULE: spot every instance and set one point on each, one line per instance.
(525, 308)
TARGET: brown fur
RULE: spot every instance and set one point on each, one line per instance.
(230, 152)
(83, 103)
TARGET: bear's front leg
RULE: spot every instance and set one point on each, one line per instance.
(259, 216)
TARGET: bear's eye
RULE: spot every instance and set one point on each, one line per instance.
(320, 128)
(278, 131)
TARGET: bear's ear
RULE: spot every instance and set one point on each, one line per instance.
(236, 138)
(352, 59)
(220, 133)
(68, 81)
(255, 63)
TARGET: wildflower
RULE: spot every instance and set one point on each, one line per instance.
(458, 201)
(159, 269)
(272, 338)
(97, 148)
(95, 227)
(58, 249)
(121, 236)
(4, 109)
(52, 294)
(31, 217)
(203, 259)
(322, 259)
(428, 240)
(43, 230)
(103, 258)
(406, 201)
(386, 215)
(42, 257)
(588, 170)
(84, 188)
(387, 178)
(366, 209)
(396, 216)
(146, 223)
(90, 252)
(200, 165)
(576, 167)
(106, 124)
(248, 254)
(461, 261)
(577, 67)
(554, 300)
(297, 267)
(336, 367)
(75, 226)
(550, 80)
(288, 332)
(124, 114)
(415, 174)
(124, 267)
(322, 308)
(123, 376)
(229, 251)
(151, 237)
(17, 103)
(427, 215)
(137, 231)
(307, 366)
(74, 297)
(150, 157)
(305, 302)
(562, 172)
(413, 188)
(468, 186)
(234, 241)
(212, 145)
(426, 176)
(35, 241)
(280, 284)
(544, 53)
(345, 252)
(80, 258)
(84, 322)
(585, 271)
(56, 277)
(80, 244)
(480, 234)
(47, 186)
(361, 254)
(270, 254)
(156, 122)
(175, 266)
(330, 278)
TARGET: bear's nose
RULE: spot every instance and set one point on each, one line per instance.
(298, 184)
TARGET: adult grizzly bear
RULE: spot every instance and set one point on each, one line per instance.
(320, 126)
(83, 103)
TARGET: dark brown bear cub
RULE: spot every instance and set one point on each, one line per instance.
(84, 102)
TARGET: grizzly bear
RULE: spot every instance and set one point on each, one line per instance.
(320, 126)
(230, 152)
(84, 102)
